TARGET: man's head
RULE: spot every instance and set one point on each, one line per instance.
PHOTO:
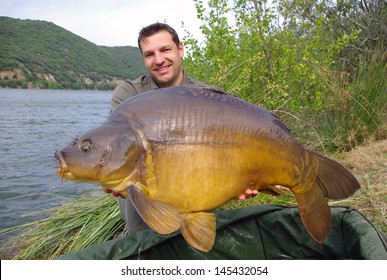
(162, 54)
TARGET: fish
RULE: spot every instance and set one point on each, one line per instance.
(180, 152)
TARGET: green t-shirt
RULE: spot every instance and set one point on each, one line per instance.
(143, 83)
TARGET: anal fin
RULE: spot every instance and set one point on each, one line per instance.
(162, 217)
(315, 213)
(199, 230)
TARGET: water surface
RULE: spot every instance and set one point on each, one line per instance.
(33, 124)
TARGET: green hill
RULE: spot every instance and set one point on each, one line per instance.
(40, 54)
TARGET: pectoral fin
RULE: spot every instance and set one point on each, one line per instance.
(315, 213)
(160, 216)
(199, 230)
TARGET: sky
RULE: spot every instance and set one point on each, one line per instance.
(107, 22)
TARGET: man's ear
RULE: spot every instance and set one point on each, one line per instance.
(180, 48)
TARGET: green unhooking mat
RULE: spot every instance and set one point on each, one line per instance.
(267, 232)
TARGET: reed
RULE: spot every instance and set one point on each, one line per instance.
(85, 221)
(355, 106)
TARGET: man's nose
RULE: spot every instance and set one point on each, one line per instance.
(159, 58)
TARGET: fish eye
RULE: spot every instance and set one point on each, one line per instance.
(86, 145)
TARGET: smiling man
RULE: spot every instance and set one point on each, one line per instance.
(162, 54)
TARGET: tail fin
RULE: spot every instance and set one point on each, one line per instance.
(335, 180)
(315, 213)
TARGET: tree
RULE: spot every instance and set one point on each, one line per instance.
(271, 52)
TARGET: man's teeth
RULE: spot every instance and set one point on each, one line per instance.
(161, 69)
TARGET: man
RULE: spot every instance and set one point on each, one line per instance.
(162, 54)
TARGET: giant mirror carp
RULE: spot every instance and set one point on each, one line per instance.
(180, 152)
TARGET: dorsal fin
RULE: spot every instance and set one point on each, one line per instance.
(199, 230)
(160, 216)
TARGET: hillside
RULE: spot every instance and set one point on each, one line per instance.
(40, 54)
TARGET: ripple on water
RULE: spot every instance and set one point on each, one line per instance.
(33, 124)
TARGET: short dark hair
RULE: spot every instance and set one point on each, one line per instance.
(156, 28)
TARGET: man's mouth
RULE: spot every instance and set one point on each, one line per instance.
(162, 69)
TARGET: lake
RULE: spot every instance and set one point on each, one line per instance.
(33, 125)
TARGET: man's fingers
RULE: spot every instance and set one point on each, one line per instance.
(247, 194)
(106, 190)
(241, 197)
(115, 194)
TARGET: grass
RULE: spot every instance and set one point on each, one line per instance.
(90, 219)
(95, 218)
(369, 164)
(356, 106)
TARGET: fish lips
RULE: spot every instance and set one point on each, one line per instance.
(63, 169)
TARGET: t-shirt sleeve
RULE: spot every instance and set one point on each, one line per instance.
(122, 92)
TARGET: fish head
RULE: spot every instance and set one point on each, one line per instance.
(106, 155)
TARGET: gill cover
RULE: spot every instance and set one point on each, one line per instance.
(104, 155)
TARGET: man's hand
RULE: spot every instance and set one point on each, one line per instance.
(247, 194)
(115, 194)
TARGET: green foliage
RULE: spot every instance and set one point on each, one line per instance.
(282, 54)
(357, 107)
(52, 57)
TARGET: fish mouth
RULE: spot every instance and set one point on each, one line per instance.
(63, 169)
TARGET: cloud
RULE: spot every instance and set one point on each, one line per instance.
(107, 22)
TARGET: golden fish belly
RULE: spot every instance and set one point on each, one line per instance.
(202, 177)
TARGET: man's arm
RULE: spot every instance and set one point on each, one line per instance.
(122, 92)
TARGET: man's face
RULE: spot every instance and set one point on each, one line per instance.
(162, 58)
